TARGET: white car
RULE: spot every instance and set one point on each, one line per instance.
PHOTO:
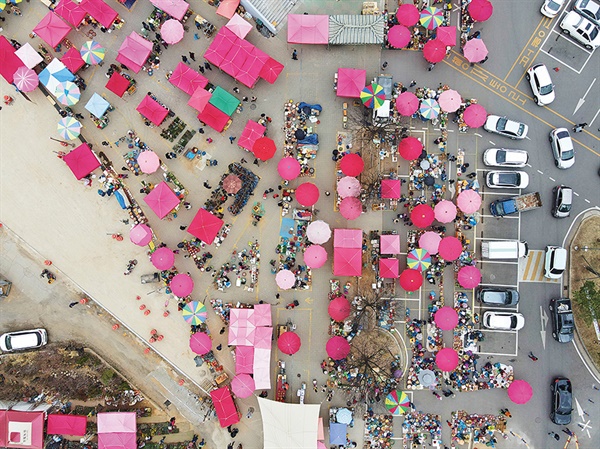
(556, 262)
(541, 84)
(551, 8)
(505, 127)
(503, 320)
(589, 9)
(505, 157)
(498, 179)
(562, 148)
(581, 29)
(21, 340)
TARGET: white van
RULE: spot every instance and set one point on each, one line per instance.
(504, 249)
(21, 340)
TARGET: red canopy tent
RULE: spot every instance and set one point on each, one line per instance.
(72, 60)
(213, 117)
(221, 44)
(199, 99)
(308, 29)
(9, 62)
(162, 200)
(347, 262)
(52, 29)
(71, 11)
(134, 52)
(152, 110)
(117, 84)
(271, 70)
(67, 425)
(225, 407)
(100, 11)
(174, 8)
(388, 268)
(227, 8)
(251, 133)
(187, 79)
(351, 82)
(205, 226)
(82, 161)
(390, 188)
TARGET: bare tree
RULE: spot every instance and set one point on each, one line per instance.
(371, 184)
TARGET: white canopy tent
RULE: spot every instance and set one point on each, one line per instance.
(290, 426)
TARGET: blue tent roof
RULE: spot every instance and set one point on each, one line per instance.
(337, 433)
(97, 105)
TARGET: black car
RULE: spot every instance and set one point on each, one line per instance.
(563, 323)
(497, 296)
(562, 401)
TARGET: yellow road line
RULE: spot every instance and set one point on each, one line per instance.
(539, 258)
(527, 266)
(524, 48)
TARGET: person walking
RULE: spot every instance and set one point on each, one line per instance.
(532, 357)
(384, 65)
(184, 59)
(295, 55)
(201, 68)
(231, 139)
(207, 66)
(192, 55)
(236, 90)
(580, 127)
(73, 304)
(183, 228)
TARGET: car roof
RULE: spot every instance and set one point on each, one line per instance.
(541, 71)
(567, 194)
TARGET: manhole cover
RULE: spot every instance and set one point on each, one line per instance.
(492, 277)
(253, 106)
(538, 420)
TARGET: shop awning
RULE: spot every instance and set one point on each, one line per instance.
(187, 79)
(67, 425)
(356, 29)
(72, 60)
(97, 106)
(250, 134)
(347, 238)
(389, 244)
(117, 84)
(162, 200)
(351, 82)
(82, 161)
(224, 406)
(244, 359)
(9, 62)
(287, 425)
(205, 226)
(118, 440)
(152, 110)
(100, 11)
(134, 52)
(224, 101)
(227, 8)
(52, 29)
(308, 29)
(389, 268)
(337, 433)
(213, 117)
(71, 11)
(174, 8)
(347, 262)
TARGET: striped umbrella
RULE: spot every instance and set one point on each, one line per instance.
(92, 52)
(194, 313)
(67, 93)
(69, 128)
(431, 17)
(2, 5)
(397, 402)
(25, 79)
(373, 96)
(418, 259)
(429, 109)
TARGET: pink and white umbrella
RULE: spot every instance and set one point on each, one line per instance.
(469, 276)
(450, 100)
(474, 115)
(200, 343)
(148, 161)
(407, 104)
(430, 241)
(307, 194)
(475, 50)
(446, 359)
(315, 256)
(450, 248)
(181, 285)
(446, 318)
(318, 232)
(351, 208)
(172, 31)
(163, 258)
(445, 211)
(285, 279)
(469, 201)
(242, 385)
(348, 186)
(25, 79)
(140, 234)
(288, 168)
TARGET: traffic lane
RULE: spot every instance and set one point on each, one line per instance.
(499, 273)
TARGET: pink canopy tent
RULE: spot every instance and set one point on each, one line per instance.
(450, 248)
(446, 359)
(227, 8)
(140, 234)
(113, 422)
(446, 318)
(430, 241)
(352, 164)
(348, 186)
(469, 201)
(351, 208)
(399, 36)
(181, 285)
(251, 133)
(163, 258)
(239, 26)
(241, 336)
(244, 359)
(351, 82)
(262, 315)
(187, 79)
(21, 429)
(469, 276)
(152, 110)
(288, 168)
(318, 232)
(72, 60)
(199, 99)
(520, 392)
(339, 308)
(134, 52)
(82, 161)
(225, 407)
(200, 343)
(446, 34)
(222, 43)
(411, 280)
(285, 279)
(205, 226)
(308, 29)
(389, 244)
(422, 216)
(337, 348)
(28, 55)
(148, 161)
(347, 261)
(172, 31)
(174, 8)
(117, 440)
(407, 104)
(100, 11)
(66, 425)
(213, 117)
(390, 188)
(117, 84)
(9, 62)
(315, 256)
(445, 211)
(289, 343)
(410, 148)
(162, 200)
(263, 337)
(71, 11)
(307, 194)
(242, 385)
(52, 29)
(475, 115)
(271, 70)
(389, 268)
(347, 238)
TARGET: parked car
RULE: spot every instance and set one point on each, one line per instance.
(541, 84)
(562, 401)
(497, 179)
(551, 8)
(588, 9)
(563, 200)
(498, 296)
(563, 322)
(21, 340)
(581, 29)
(505, 157)
(562, 148)
(556, 262)
(503, 320)
(505, 127)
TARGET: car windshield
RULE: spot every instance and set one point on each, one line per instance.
(513, 322)
(545, 90)
(554, 6)
(501, 156)
(501, 124)
(562, 134)
(593, 33)
(566, 155)
(521, 129)
(564, 208)
(510, 179)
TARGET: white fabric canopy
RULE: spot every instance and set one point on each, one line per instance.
(261, 367)
(290, 426)
(28, 55)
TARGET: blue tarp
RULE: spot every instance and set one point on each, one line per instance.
(284, 230)
(311, 139)
(337, 433)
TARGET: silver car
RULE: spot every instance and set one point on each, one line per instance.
(505, 157)
(563, 200)
(562, 148)
(22, 340)
(589, 9)
(505, 127)
(505, 321)
(497, 179)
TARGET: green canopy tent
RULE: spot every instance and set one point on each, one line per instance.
(224, 101)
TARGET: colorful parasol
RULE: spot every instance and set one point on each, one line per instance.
(418, 259)
(373, 96)
(67, 93)
(397, 402)
(429, 109)
(431, 17)
(69, 128)
(194, 313)
(92, 52)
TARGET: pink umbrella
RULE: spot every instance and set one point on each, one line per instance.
(449, 100)
(447, 35)
(242, 385)
(163, 258)
(307, 194)
(410, 148)
(351, 208)
(446, 359)
(450, 248)
(399, 36)
(520, 392)
(480, 10)
(288, 168)
(200, 343)
(469, 201)
(422, 216)
(348, 186)
(430, 241)
(475, 50)
(407, 104)
(352, 164)
(318, 232)
(172, 31)
(25, 79)
(434, 51)
(411, 280)
(407, 14)
(232, 183)
(446, 318)
(315, 256)
(337, 348)
(339, 308)
(148, 161)
(140, 234)
(474, 116)
(469, 276)
(181, 285)
(285, 279)
(445, 211)
(321, 445)
(289, 343)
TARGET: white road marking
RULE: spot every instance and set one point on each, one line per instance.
(507, 216)
(491, 142)
(498, 261)
(528, 165)
(540, 172)
(478, 135)
(595, 116)
(575, 193)
(584, 426)
(582, 99)
(544, 321)
(500, 285)
(587, 201)
(551, 179)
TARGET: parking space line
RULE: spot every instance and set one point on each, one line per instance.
(503, 354)
(499, 262)
(494, 239)
(563, 63)
(500, 285)
(507, 216)
(499, 193)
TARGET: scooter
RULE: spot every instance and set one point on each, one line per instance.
(130, 266)
(315, 386)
